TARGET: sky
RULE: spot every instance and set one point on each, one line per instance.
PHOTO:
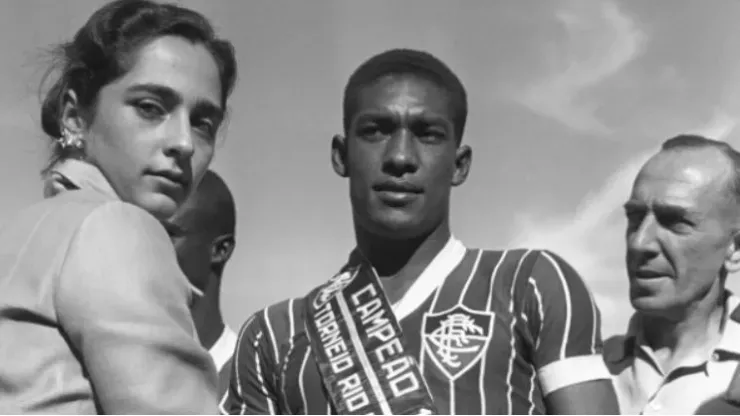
(567, 99)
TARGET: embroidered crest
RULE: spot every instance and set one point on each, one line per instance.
(457, 338)
(334, 285)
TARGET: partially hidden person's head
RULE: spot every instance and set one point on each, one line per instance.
(140, 92)
(404, 116)
(203, 230)
(683, 218)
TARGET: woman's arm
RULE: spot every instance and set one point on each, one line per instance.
(122, 301)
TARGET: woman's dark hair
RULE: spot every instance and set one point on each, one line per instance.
(101, 52)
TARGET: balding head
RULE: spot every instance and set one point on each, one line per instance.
(726, 157)
(682, 219)
(703, 173)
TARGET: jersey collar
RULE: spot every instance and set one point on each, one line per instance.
(429, 279)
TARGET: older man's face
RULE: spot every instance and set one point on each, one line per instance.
(680, 223)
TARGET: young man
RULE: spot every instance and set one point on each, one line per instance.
(203, 234)
(415, 322)
(683, 343)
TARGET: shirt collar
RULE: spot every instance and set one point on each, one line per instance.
(729, 342)
(223, 349)
(70, 174)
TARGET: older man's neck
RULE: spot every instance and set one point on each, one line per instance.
(690, 336)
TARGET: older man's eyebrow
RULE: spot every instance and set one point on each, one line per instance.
(631, 206)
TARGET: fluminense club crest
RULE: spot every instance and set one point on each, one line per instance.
(337, 283)
(457, 338)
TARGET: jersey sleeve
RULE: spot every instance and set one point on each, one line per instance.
(123, 304)
(251, 387)
(565, 325)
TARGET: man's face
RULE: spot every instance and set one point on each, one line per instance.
(401, 157)
(680, 220)
(193, 245)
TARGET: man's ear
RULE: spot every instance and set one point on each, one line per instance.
(339, 155)
(732, 259)
(71, 118)
(222, 248)
(463, 160)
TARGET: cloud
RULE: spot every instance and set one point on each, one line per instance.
(591, 239)
(601, 40)
(720, 127)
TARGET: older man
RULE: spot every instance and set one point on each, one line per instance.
(683, 342)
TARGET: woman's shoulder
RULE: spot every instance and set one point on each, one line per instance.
(86, 228)
(60, 215)
(118, 234)
(118, 219)
(90, 213)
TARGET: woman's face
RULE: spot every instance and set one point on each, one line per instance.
(153, 130)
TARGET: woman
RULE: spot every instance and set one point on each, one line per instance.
(93, 306)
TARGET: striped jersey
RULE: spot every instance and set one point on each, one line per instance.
(493, 332)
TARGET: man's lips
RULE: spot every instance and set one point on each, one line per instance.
(397, 193)
(397, 187)
(647, 274)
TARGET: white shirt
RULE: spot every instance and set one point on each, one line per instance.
(643, 388)
(223, 349)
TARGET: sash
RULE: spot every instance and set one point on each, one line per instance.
(360, 349)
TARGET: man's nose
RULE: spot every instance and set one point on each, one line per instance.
(643, 240)
(401, 155)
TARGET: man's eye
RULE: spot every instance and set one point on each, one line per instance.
(433, 135)
(370, 131)
(634, 218)
(206, 126)
(680, 224)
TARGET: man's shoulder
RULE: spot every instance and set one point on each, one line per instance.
(281, 319)
(515, 252)
(510, 260)
(618, 351)
(521, 253)
(544, 263)
(285, 309)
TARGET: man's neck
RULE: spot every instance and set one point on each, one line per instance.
(206, 313)
(400, 262)
(691, 335)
